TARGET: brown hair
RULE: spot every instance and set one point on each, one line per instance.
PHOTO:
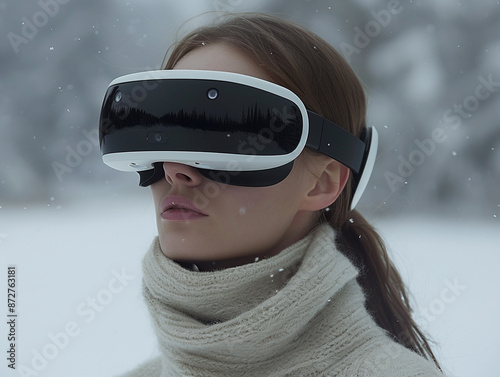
(307, 65)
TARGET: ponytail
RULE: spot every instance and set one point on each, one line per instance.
(387, 299)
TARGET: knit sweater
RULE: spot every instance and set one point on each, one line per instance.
(299, 313)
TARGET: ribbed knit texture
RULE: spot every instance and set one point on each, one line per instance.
(299, 313)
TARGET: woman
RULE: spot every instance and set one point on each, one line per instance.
(284, 279)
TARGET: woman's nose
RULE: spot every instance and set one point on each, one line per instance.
(176, 173)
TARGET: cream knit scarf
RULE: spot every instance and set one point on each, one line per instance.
(299, 313)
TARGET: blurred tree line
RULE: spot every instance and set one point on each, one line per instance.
(431, 72)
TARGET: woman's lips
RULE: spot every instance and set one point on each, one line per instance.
(180, 208)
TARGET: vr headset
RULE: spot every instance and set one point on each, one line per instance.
(236, 129)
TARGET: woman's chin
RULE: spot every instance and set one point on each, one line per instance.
(186, 249)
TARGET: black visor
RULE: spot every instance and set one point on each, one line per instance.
(236, 129)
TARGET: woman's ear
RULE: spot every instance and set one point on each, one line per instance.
(326, 186)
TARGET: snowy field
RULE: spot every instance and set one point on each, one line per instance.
(78, 278)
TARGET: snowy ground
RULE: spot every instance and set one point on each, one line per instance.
(77, 318)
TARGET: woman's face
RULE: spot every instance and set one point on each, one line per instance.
(213, 224)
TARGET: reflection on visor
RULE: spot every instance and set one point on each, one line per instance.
(180, 115)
